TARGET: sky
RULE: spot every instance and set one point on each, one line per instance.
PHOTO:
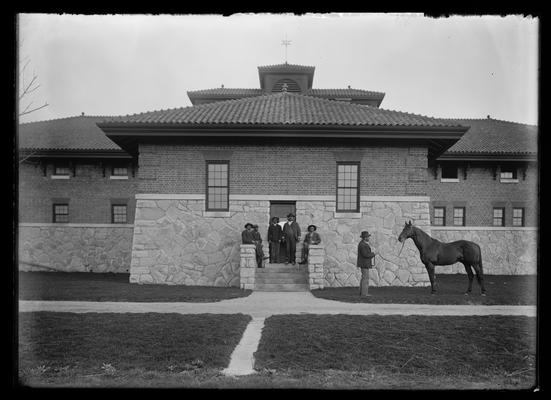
(456, 67)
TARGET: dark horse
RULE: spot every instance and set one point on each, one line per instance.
(434, 252)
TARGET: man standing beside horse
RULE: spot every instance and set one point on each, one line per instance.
(365, 262)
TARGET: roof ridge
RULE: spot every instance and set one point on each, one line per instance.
(491, 119)
(70, 117)
(286, 64)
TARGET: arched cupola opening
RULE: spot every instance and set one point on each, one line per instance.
(291, 86)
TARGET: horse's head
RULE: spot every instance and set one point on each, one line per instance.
(407, 232)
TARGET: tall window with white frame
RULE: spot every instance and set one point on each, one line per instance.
(348, 187)
(118, 213)
(459, 216)
(499, 216)
(60, 213)
(518, 216)
(439, 218)
(218, 186)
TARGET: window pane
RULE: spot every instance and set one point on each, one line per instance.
(120, 171)
(61, 170)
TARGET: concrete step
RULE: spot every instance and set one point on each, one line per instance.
(282, 287)
(278, 278)
(277, 269)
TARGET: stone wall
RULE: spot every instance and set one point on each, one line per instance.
(340, 235)
(74, 247)
(177, 242)
(505, 251)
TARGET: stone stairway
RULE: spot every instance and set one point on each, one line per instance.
(282, 278)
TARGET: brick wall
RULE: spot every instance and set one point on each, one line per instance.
(90, 194)
(280, 169)
(480, 192)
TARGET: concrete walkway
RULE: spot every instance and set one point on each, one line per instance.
(264, 304)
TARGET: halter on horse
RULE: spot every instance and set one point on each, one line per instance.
(434, 252)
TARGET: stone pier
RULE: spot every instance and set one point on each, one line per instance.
(316, 258)
(247, 266)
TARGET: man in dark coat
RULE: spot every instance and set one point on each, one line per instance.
(275, 233)
(257, 241)
(291, 235)
(247, 234)
(365, 262)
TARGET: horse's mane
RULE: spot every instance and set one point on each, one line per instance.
(424, 234)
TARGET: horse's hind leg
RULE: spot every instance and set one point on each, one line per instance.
(480, 278)
(470, 275)
(430, 271)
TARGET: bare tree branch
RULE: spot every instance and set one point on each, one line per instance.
(34, 109)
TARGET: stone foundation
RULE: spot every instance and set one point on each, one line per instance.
(505, 251)
(75, 247)
(340, 235)
(177, 242)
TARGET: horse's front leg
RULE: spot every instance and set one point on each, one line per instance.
(470, 275)
(430, 270)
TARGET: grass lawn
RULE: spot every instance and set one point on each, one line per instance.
(73, 347)
(85, 286)
(500, 289)
(403, 351)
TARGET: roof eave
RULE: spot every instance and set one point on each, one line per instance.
(472, 156)
(68, 153)
(437, 138)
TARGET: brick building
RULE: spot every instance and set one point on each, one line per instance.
(195, 175)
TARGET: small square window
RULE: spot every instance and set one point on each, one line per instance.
(439, 216)
(61, 213)
(499, 216)
(61, 170)
(449, 172)
(118, 213)
(508, 174)
(459, 216)
(518, 216)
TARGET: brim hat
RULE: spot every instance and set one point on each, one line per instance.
(276, 218)
(255, 226)
(248, 224)
(290, 215)
(365, 234)
(312, 226)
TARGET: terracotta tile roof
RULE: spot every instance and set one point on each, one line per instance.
(72, 133)
(244, 92)
(224, 92)
(351, 93)
(283, 109)
(286, 68)
(492, 136)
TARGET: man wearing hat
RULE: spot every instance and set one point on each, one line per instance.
(365, 262)
(247, 234)
(291, 235)
(275, 234)
(312, 237)
(257, 241)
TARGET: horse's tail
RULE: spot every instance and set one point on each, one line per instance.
(479, 261)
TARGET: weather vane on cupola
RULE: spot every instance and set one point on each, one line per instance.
(286, 43)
